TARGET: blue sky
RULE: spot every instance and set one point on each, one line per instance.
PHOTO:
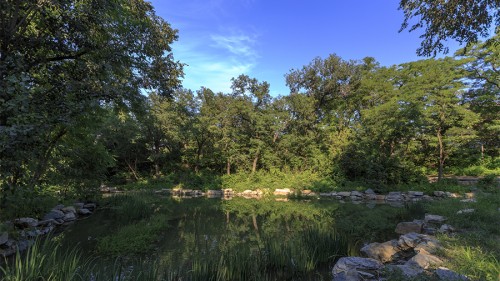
(265, 39)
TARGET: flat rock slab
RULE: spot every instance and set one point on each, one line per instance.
(408, 227)
(434, 218)
(406, 270)
(356, 269)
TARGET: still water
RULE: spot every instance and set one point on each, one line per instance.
(237, 239)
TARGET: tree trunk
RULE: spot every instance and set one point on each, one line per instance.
(254, 164)
(132, 170)
(441, 155)
(228, 167)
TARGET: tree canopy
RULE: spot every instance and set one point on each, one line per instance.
(462, 20)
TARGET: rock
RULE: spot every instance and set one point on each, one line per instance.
(409, 240)
(4, 237)
(282, 191)
(344, 194)
(7, 252)
(307, 192)
(407, 227)
(46, 222)
(68, 209)
(58, 207)
(394, 196)
(415, 193)
(427, 198)
(369, 191)
(384, 252)
(78, 205)
(466, 211)
(446, 228)
(25, 222)
(46, 230)
(92, 206)
(356, 269)
(406, 270)
(54, 214)
(470, 200)
(424, 260)
(444, 273)
(84, 212)
(439, 193)
(325, 194)
(434, 219)
(452, 195)
(429, 230)
(69, 216)
(470, 195)
(380, 197)
(429, 245)
(356, 194)
(371, 197)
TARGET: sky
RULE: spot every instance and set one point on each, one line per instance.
(265, 39)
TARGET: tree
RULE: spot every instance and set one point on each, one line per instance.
(435, 87)
(461, 20)
(62, 59)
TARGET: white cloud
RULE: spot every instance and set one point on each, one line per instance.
(213, 60)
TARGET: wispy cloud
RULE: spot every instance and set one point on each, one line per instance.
(214, 59)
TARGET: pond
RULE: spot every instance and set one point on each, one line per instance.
(237, 239)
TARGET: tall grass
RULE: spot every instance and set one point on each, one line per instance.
(44, 260)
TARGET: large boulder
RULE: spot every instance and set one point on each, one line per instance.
(384, 252)
(356, 269)
(409, 226)
(69, 217)
(409, 240)
(69, 209)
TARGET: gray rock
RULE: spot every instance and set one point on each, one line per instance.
(394, 196)
(84, 212)
(406, 270)
(356, 269)
(415, 193)
(54, 215)
(46, 222)
(434, 219)
(4, 237)
(407, 227)
(69, 217)
(78, 205)
(428, 246)
(344, 193)
(424, 260)
(90, 206)
(369, 191)
(356, 194)
(69, 209)
(439, 193)
(444, 273)
(409, 240)
(371, 197)
(384, 252)
(58, 207)
(25, 222)
(446, 228)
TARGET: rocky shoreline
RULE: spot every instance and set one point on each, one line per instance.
(26, 230)
(413, 254)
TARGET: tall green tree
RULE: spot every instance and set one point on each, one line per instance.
(435, 87)
(62, 59)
